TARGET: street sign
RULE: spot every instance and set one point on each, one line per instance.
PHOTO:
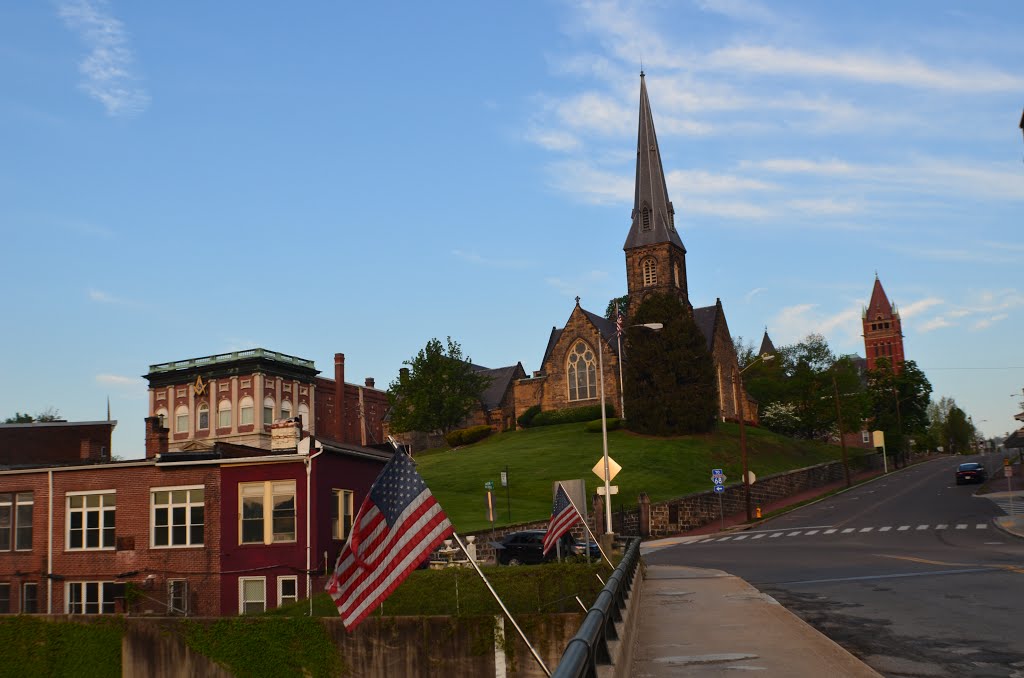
(719, 488)
(1009, 471)
(717, 472)
(504, 478)
(718, 480)
(613, 488)
(751, 477)
(613, 469)
(489, 485)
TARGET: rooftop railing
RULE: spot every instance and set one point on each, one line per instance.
(205, 361)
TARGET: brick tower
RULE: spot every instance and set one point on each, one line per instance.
(883, 332)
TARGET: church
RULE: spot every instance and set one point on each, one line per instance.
(585, 352)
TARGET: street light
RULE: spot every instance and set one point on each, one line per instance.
(622, 383)
(738, 381)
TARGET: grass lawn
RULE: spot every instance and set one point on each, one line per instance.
(662, 467)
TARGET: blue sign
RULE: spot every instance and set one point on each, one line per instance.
(717, 472)
(719, 488)
(718, 480)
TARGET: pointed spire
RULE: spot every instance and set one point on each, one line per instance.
(653, 214)
(767, 347)
(108, 408)
(879, 304)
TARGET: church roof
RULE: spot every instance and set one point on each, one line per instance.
(766, 345)
(705, 317)
(653, 214)
(500, 378)
(879, 304)
(605, 327)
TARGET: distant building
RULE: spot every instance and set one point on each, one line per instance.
(883, 331)
(236, 397)
(55, 442)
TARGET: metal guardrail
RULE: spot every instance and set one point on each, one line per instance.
(589, 647)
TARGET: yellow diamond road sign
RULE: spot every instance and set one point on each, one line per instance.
(613, 469)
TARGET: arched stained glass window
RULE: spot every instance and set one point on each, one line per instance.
(582, 372)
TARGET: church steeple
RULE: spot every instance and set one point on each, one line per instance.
(655, 255)
(883, 330)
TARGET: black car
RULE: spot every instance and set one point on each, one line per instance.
(526, 548)
(970, 472)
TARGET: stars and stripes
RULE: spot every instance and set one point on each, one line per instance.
(563, 516)
(397, 527)
(618, 324)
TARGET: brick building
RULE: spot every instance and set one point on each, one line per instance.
(214, 532)
(236, 397)
(883, 330)
(655, 262)
(55, 442)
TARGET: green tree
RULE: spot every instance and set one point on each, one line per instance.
(898, 403)
(438, 391)
(958, 432)
(49, 414)
(616, 306)
(670, 386)
(808, 385)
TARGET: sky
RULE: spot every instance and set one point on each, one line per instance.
(186, 179)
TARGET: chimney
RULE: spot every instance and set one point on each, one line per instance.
(284, 434)
(403, 374)
(339, 396)
(369, 382)
(156, 438)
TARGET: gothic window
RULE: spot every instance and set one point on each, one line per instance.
(582, 372)
(650, 270)
(676, 272)
(646, 218)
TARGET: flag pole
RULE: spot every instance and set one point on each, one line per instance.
(504, 609)
(589, 531)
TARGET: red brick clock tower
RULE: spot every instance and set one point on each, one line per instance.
(883, 332)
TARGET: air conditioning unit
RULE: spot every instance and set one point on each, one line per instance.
(177, 597)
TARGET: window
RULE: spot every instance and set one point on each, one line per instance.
(5, 598)
(245, 412)
(177, 596)
(224, 414)
(177, 516)
(260, 526)
(304, 415)
(91, 519)
(268, 411)
(341, 513)
(23, 521)
(675, 270)
(646, 218)
(650, 270)
(90, 597)
(6, 520)
(252, 594)
(203, 420)
(30, 598)
(287, 590)
(162, 415)
(181, 420)
(582, 372)
(286, 409)
(865, 437)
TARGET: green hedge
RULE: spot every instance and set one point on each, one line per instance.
(527, 417)
(467, 436)
(572, 414)
(34, 646)
(595, 426)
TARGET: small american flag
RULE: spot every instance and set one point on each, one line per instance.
(563, 516)
(398, 525)
(618, 324)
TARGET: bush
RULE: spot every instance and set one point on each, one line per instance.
(526, 417)
(467, 436)
(595, 426)
(572, 414)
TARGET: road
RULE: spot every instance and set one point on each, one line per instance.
(907, 572)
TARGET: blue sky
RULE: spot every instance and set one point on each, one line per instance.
(184, 179)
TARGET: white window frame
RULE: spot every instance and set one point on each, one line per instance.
(287, 600)
(341, 507)
(286, 409)
(224, 412)
(574, 380)
(181, 419)
(865, 437)
(102, 509)
(203, 411)
(80, 605)
(164, 417)
(25, 586)
(7, 519)
(189, 504)
(246, 411)
(304, 415)
(268, 411)
(266, 490)
(241, 593)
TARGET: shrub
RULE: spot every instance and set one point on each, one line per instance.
(572, 414)
(595, 426)
(526, 417)
(467, 436)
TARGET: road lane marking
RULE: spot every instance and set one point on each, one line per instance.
(777, 534)
(1009, 568)
(885, 529)
(981, 526)
(848, 530)
(922, 527)
(758, 536)
(793, 534)
(830, 531)
(866, 529)
(941, 527)
(810, 532)
(902, 528)
(880, 576)
(962, 526)
(741, 536)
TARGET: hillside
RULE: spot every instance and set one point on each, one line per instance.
(662, 467)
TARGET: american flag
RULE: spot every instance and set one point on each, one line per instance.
(398, 525)
(563, 516)
(618, 324)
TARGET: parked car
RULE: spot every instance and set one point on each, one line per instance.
(526, 547)
(970, 472)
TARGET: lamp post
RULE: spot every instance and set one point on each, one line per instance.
(604, 438)
(738, 382)
(622, 383)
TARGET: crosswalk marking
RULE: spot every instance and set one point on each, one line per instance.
(848, 530)
(792, 534)
(810, 532)
(922, 527)
(885, 529)
(866, 529)
(903, 528)
(777, 534)
(758, 536)
(980, 526)
(832, 530)
(941, 527)
(962, 526)
(741, 536)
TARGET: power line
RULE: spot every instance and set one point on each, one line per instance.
(1008, 367)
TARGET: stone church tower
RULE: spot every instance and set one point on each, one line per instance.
(883, 331)
(655, 255)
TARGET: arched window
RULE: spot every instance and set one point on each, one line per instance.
(676, 270)
(268, 411)
(245, 414)
(645, 218)
(203, 420)
(304, 415)
(224, 414)
(582, 371)
(161, 414)
(650, 270)
(286, 409)
(181, 419)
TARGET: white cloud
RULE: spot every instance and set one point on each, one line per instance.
(801, 166)
(596, 112)
(698, 182)
(553, 140)
(794, 323)
(102, 297)
(590, 184)
(741, 10)
(934, 324)
(824, 206)
(118, 380)
(476, 258)
(749, 296)
(919, 306)
(731, 209)
(987, 322)
(108, 68)
(571, 287)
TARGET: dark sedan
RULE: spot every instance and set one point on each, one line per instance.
(525, 548)
(970, 472)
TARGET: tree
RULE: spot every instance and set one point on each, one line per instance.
(616, 306)
(958, 432)
(670, 386)
(49, 414)
(438, 391)
(898, 403)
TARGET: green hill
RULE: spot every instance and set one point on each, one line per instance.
(662, 467)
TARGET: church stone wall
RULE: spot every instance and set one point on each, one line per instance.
(668, 259)
(555, 395)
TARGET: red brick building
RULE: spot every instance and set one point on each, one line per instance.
(883, 330)
(55, 442)
(207, 532)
